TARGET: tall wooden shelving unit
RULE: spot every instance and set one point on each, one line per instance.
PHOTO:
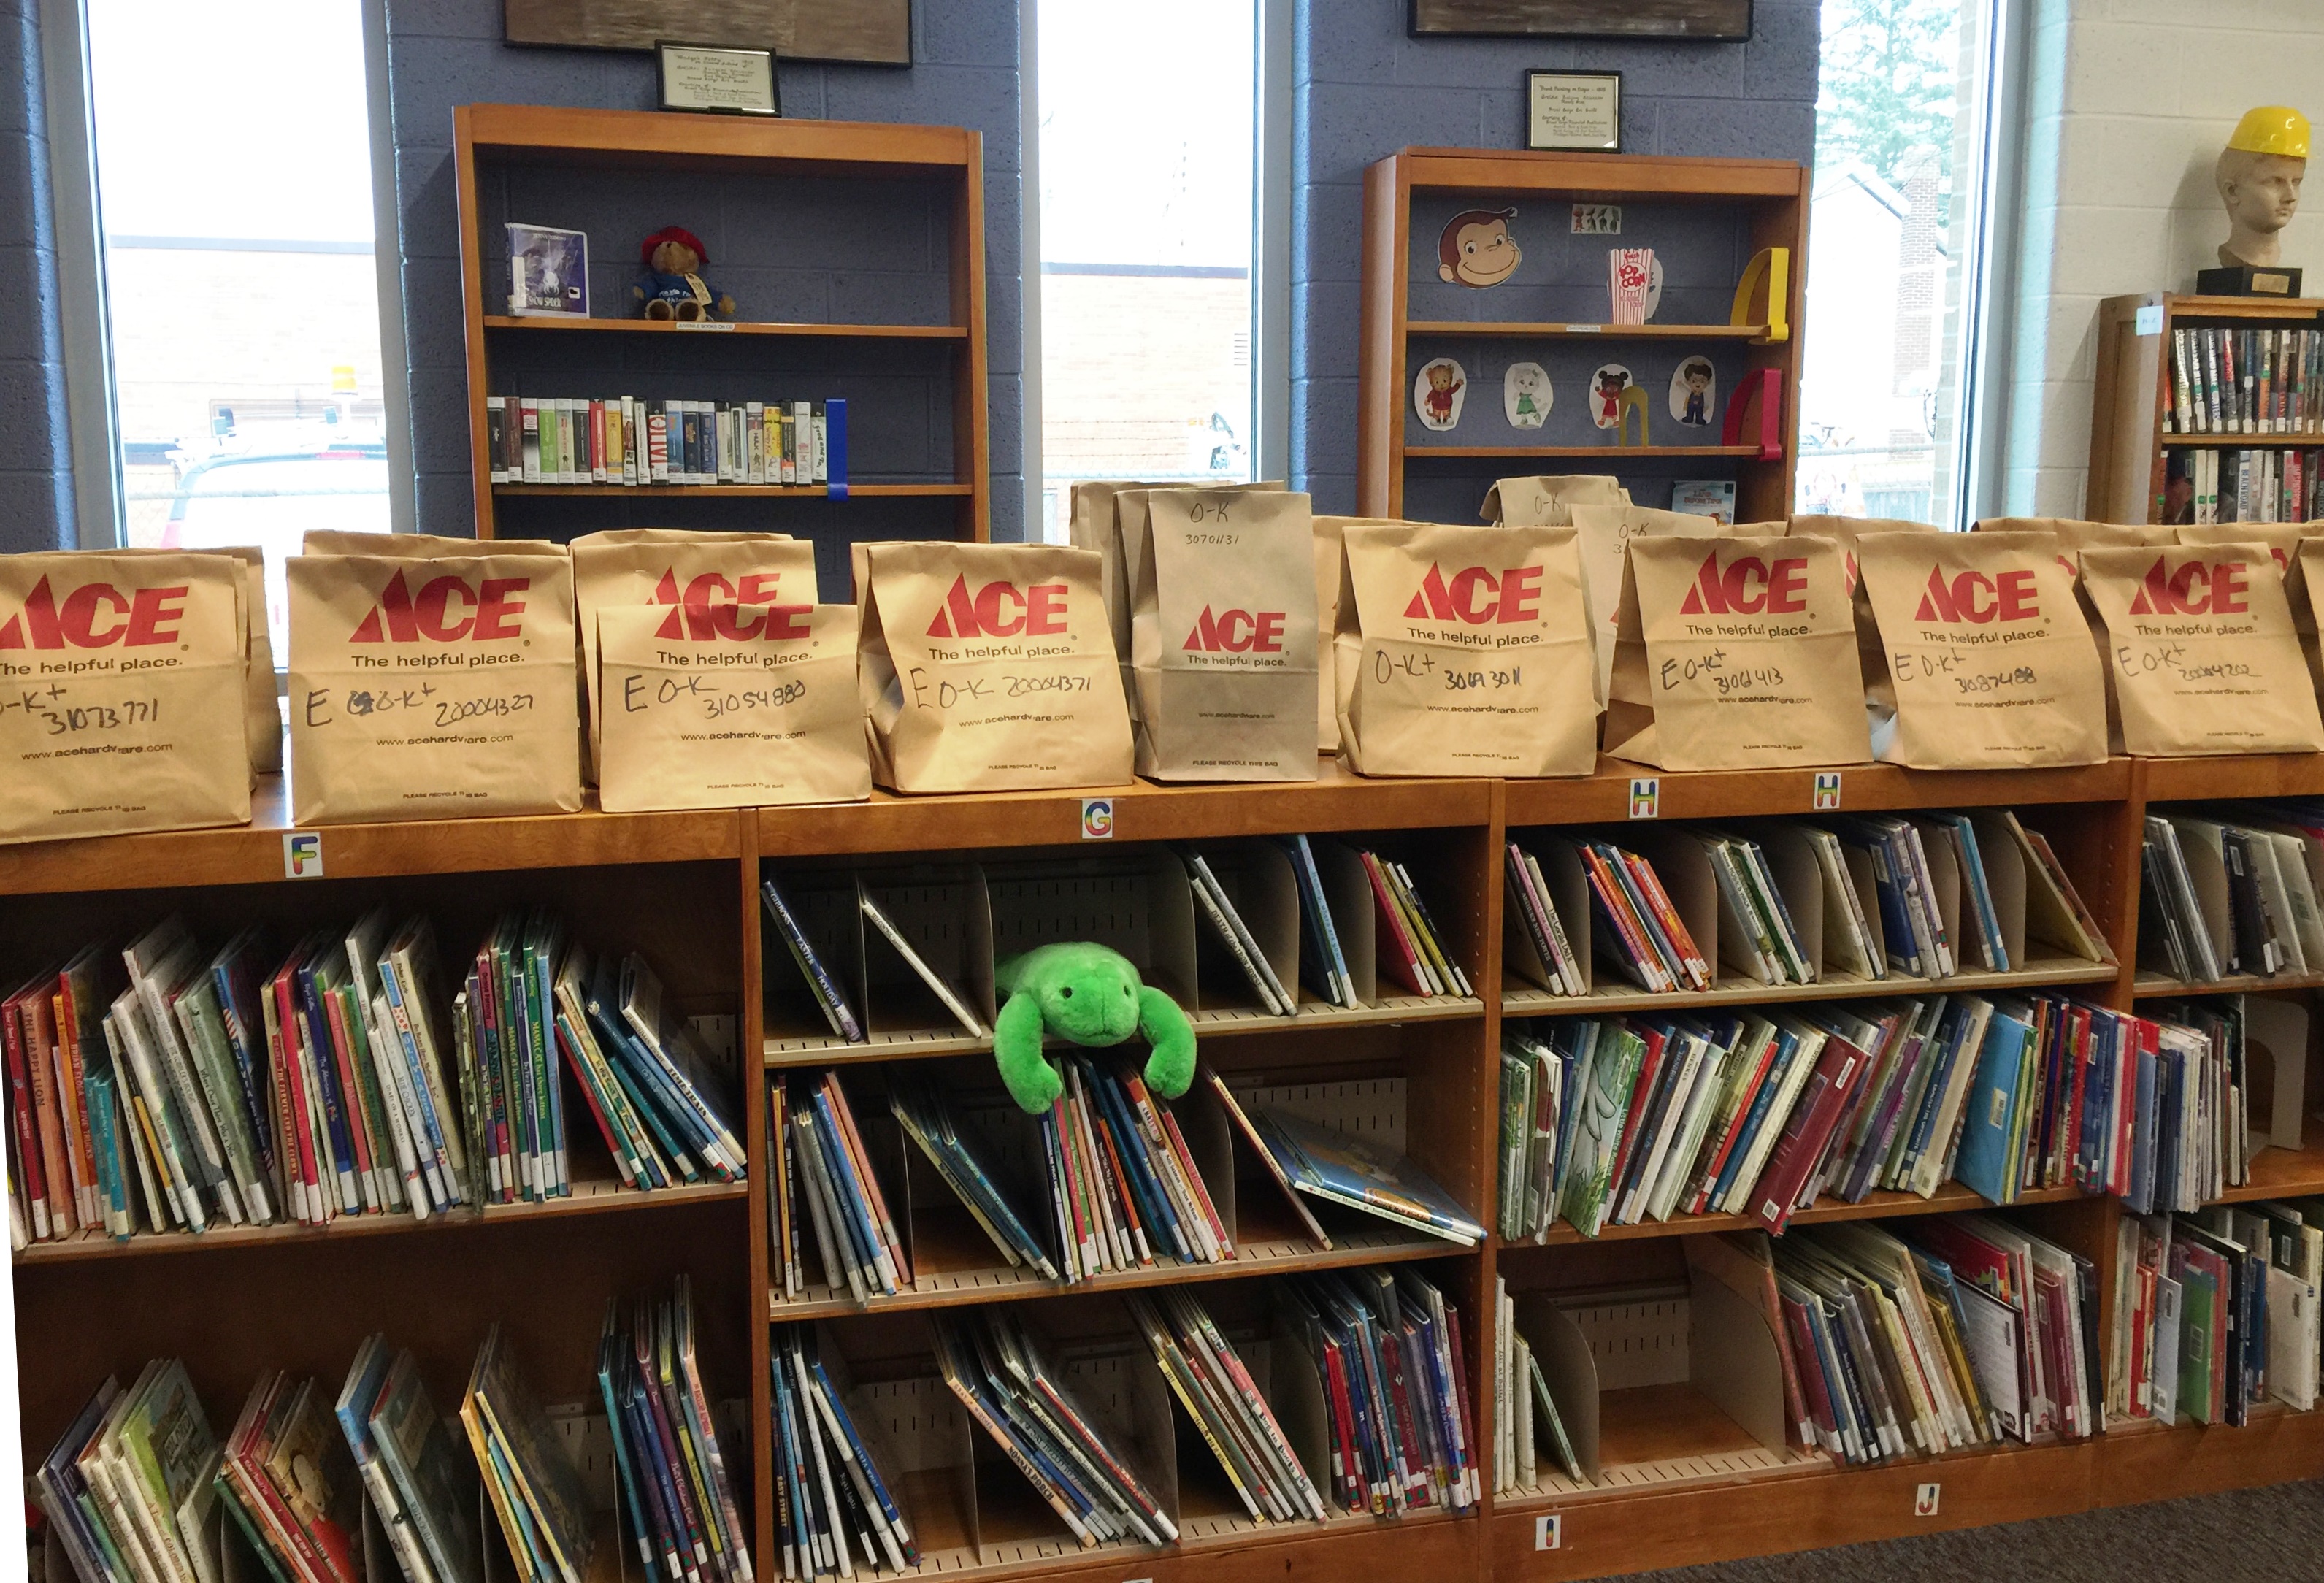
(683, 888)
(2130, 453)
(804, 192)
(1706, 218)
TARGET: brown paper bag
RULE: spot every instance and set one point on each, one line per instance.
(1464, 650)
(1986, 659)
(263, 718)
(1223, 644)
(2202, 656)
(756, 705)
(1605, 533)
(2075, 536)
(418, 546)
(1735, 653)
(673, 566)
(988, 667)
(1547, 500)
(1845, 530)
(122, 693)
(1089, 525)
(432, 687)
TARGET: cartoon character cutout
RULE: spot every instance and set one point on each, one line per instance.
(1525, 395)
(1438, 393)
(1694, 391)
(1476, 249)
(1606, 388)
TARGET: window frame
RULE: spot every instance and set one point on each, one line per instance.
(100, 518)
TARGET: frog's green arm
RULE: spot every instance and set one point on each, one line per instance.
(1170, 1069)
(1032, 1082)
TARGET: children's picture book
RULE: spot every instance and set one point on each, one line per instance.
(1705, 497)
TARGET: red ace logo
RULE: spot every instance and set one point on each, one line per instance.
(1237, 632)
(1000, 610)
(1476, 596)
(1974, 597)
(95, 615)
(708, 607)
(2196, 588)
(1748, 586)
(445, 610)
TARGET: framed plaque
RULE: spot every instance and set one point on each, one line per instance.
(717, 80)
(1574, 110)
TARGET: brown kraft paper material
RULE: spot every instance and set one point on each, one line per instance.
(1735, 653)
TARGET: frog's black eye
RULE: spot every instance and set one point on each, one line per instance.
(1066, 993)
(1125, 991)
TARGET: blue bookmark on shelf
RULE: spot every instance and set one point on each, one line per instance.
(834, 445)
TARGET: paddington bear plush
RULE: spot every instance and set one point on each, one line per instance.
(671, 288)
(1092, 996)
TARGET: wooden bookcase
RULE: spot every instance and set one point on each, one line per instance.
(683, 888)
(855, 255)
(1707, 220)
(2130, 453)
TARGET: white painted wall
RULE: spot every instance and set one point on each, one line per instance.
(2129, 104)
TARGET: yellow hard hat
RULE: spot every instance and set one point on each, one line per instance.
(2272, 129)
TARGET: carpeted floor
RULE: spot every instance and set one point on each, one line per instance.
(2272, 1535)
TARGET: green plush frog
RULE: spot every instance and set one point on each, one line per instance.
(1092, 995)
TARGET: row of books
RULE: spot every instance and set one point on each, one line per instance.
(626, 441)
(2216, 1311)
(1116, 1185)
(1626, 1120)
(1883, 888)
(133, 1487)
(2245, 381)
(1221, 1400)
(1526, 1423)
(160, 1085)
(2191, 1135)
(2240, 893)
(1386, 1346)
(1930, 1336)
(835, 1508)
(2252, 485)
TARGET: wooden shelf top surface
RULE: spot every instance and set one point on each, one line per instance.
(1614, 1001)
(1608, 452)
(1604, 795)
(1337, 799)
(253, 853)
(650, 327)
(1642, 177)
(538, 134)
(742, 490)
(1578, 331)
(2258, 775)
(1949, 1199)
(588, 1198)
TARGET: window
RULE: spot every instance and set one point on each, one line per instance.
(1146, 164)
(1899, 240)
(233, 171)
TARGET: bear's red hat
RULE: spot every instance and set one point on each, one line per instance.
(678, 234)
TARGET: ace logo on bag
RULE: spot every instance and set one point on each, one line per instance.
(2203, 654)
(750, 706)
(121, 694)
(1735, 653)
(988, 667)
(1464, 650)
(690, 573)
(1223, 636)
(1984, 657)
(432, 687)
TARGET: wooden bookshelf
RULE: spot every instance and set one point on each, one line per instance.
(1706, 218)
(2129, 450)
(618, 175)
(1682, 1489)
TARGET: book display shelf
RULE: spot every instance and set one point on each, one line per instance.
(2134, 452)
(1688, 1466)
(854, 252)
(1725, 235)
